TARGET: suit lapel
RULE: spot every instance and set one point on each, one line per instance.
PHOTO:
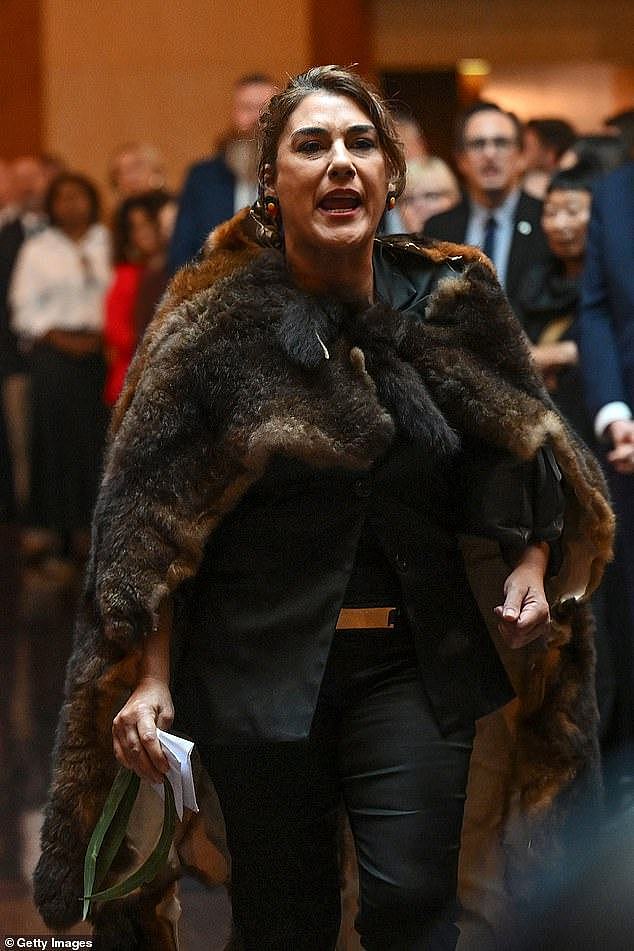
(523, 242)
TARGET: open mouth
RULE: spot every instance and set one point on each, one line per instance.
(340, 202)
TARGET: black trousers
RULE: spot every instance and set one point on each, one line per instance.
(68, 428)
(374, 745)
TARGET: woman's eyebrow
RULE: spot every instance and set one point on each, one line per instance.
(308, 130)
(357, 129)
(318, 130)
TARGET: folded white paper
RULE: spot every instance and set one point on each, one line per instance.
(178, 753)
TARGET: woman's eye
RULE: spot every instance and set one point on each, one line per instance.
(363, 144)
(311, 145)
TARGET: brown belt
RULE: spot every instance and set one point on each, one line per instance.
(351, 618)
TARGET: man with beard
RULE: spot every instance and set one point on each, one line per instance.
(219, 186)
(496, 215)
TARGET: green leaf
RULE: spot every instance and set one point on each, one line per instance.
(116, 832)
(119, 804)
(154, 863)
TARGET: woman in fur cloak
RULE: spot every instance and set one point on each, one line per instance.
(333, 482)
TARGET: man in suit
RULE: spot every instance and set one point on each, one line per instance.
(495, 214)
(606, 344)
(219, 186)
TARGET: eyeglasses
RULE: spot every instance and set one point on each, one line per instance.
(500, 143)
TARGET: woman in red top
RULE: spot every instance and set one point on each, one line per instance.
(137, 241)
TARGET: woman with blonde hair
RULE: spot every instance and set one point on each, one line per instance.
(431, 188)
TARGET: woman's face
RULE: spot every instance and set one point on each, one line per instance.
(565, 220)
(72, 208)
(145, 236)
(428, 196)
(330, 176)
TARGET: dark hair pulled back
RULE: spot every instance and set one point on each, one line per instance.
(339, 82)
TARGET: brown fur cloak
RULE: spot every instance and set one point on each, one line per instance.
(232, 371)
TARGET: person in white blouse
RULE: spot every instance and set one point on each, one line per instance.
(57, 297)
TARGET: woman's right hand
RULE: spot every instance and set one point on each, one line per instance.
(136, 744)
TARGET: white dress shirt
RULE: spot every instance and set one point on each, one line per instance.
(504, 216)
(60, 284)
(608, 414)
(244, 193)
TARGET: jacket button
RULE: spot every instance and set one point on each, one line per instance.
(363, 488)
(401, 563)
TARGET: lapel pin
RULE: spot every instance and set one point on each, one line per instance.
(524, 227)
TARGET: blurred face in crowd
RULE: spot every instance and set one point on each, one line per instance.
(136, 169)
(411, 138)
(565, 220)
(145, 235)
(72, 209)
(431, 188)
(491, 157)
(536, 156)
(30, 182)
(167, 220)
(330, 176)
(248, 101)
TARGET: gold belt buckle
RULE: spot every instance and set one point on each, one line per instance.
(358, 618)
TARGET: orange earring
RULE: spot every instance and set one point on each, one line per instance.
(391, 200)
(272, 207)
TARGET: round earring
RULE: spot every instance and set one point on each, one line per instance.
(272, 206)
(391, 200)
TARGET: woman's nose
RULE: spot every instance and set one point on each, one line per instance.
(341, 164)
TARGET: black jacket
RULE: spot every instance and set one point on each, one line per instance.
(11, 240)
(258, 619)
(528, 246)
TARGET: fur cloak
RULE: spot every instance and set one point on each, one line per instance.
(238, 365)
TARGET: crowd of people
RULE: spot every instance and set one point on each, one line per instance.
(552, 209)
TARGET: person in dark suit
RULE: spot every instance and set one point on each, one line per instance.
(495, 214)
(221, 185)
(606, 341)
(11, 239)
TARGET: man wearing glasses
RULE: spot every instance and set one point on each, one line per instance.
(495, 214)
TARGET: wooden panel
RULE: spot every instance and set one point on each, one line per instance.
(340, 33)
(432, 98)
(20, 78)
(422, 33)
(569, 59)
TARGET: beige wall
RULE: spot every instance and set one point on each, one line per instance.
(584, 92)
(548, 57)
(118, 70)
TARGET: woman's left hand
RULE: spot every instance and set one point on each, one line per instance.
(525, 614)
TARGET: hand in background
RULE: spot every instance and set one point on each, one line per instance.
(621, 458)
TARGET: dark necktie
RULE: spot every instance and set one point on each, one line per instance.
(488, 244)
